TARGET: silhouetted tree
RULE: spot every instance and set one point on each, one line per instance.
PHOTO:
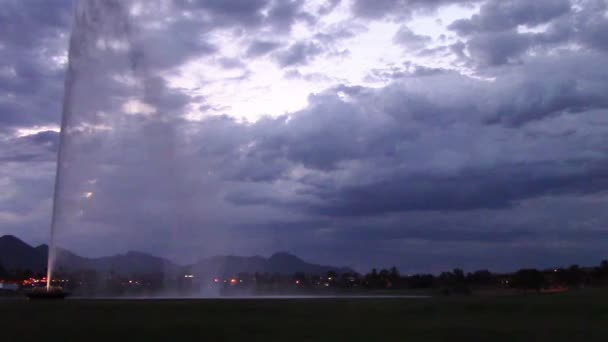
(482, 277)
(349, 280)
(528, 279)
(23, 274)
(599, 274)
(575, 276)
(458, 275)
(3, 272)
(394, 274)
(454, 282)
(420, 281)
(385, 280)
(374, 274)
(372, 280)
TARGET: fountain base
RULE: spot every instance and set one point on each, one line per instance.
(47, 294)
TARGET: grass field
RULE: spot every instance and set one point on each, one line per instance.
(581, 316)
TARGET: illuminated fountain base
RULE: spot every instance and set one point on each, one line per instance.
(53, 293)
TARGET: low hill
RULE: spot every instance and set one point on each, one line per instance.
(282, 263)
(16, 254)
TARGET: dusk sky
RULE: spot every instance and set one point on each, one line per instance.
(425, 134)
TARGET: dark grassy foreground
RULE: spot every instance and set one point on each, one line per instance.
(579, 316)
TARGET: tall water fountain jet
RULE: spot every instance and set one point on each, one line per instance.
(108, 107)
(87, 39)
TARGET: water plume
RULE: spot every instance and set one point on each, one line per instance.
(108, 107)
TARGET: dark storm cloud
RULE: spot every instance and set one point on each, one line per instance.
(399, 8)
(495, 188)
(255, 14)
(438, 169)
(506, 15)
(33, 40)
(31, 35)
(434, 232)
(36, 147)
(494, 38)
(229, 12)
(35, 36)
(590, 25)
(33, 22)
(499, 48)
(556, 93)
(388, 164)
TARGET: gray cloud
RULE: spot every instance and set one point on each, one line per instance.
(400, 8)
(32, 35)
(505, 15)
(499, 187)
(231, 63)
(436, 168)
(381, 168)
(329, 6)
(283, 14)
(229, 12)
(499, 48)
(298, 54)
(494, 38)
(405, 36)
(260, 47)
(40, 147)
(251, 15)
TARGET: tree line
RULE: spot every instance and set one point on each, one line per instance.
(457, 281)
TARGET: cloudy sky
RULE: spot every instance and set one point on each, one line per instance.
(426, 134)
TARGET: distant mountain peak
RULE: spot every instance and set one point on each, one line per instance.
(43, 247)
(13, 242)
(15, 254)
(284, 256)
(11, 238)
(139, 254)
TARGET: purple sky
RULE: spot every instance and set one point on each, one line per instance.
(422, 134)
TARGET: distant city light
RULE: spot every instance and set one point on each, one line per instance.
(88, 194)
(189, 276)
